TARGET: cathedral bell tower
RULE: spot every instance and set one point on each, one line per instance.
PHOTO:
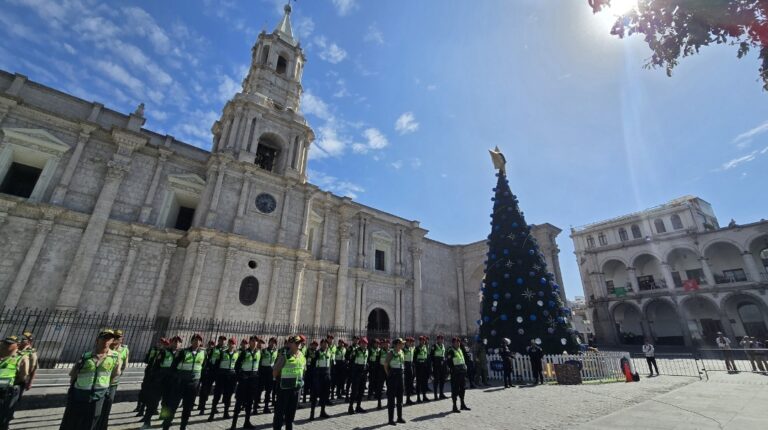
(262, 124)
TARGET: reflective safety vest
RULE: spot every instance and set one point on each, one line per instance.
(8, 368)
(123, 352)
(323, 358)
(167, 359)
(332, 351)
(383, 356)
(422, 353)
(398, 358)
(152, 354)
(268, 357)
(28, 351)
(340, 353)
(439, 351)
(228, 360)
(373, 354)
(458, 357)
(93, 376)
(251, 360)
(292, 374)
(408, 354)
(192, 362)
(361, 356)
(214, 355)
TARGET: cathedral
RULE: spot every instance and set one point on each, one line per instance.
(98, 214)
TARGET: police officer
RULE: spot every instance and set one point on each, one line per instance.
(332, 351)
(90, 380)
(421, 356)
(458, 366)
(409, 373)
(437, 354)
(225, 378)
(393, 368)
(373, 360)
(309, 358)
(289, 371)
(123, 353)
(321, 378)
(381, 378)
(149, 361)
(348, 359)
(339, 371)
(26, 348)
(358, 362)
(470, 359)
(266, 381)
(187, 367)
(247, 371)
(161, 383)
(14, 373)
(209, 373)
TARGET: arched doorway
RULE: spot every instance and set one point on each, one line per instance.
(703, 320)
(664, 323)
(747, 314)
(629, 324)
(378, 323)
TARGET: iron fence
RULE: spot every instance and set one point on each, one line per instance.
(734, 360)
(62, 336)
(594, 366)
(681, 364)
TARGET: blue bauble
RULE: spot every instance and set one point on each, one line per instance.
(531, 252)
(494, 189)
(560, 319)
(479, 322)
(518, 306)
(506, 252)
(507, 295)
(514, 225)
(486, 318)
(531, 274)
(545, 312)
(532, 317)
(503, 317)
(541, 294)
(495, 296)
(493, 309)
(543, 281)
(506, 276)
(520, 281)
(494, 284)
(550, 330)
(551, 303)
(493, 332)
(477, 337)
(493, 199)
(555, 287)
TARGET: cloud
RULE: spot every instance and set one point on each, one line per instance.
(415, 163)
(406, 123)
(344, 7)
(197, 127)
(744, 139)
(431, 87)
(144, 25)
(342, 90)
(328, 142)
(376, 140)
(396, 164)
(304, 27)
(118, 74)
(333, 184)
(728, 165)
(313, 105)
(330, 52)
(228, 87)
(374, 35)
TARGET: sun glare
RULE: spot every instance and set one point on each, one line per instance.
(620, 7)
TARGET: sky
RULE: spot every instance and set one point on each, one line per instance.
(405, 98)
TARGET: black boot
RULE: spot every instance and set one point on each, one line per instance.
(379, 405)
(400, 414)
(455, 409)
(350, 411)
(312, 413)
(359, 409)
(464, 407)
(322, 413)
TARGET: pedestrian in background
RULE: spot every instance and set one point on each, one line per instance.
(650, 356)
(725, 346)
(536, 354)
(506, 360)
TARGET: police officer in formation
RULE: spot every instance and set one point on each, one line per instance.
(14, 374)
(339, 371)
(422, 369)
(187, 369)
(393, 369)
(149, 360)
(409, 371)
(381, 378)
(27, 349)
(266, 381)
(225, 378)
(358, 364)
(309, 357)
(122, 351)
(209, 373)
(247, 371)
(437, 354)
(321, 378)
(373, 359)
(289, 372)
(457, 363)
(162, 383)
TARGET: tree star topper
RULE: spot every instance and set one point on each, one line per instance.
(499, 162)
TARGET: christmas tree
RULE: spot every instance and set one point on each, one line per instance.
(520, 298)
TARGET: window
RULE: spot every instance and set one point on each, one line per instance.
(265, 157)
(646, 283)
(380, 260)
(623, 234)
(20, 180)
(733, 275)
(310, 239)
(601, 238)
(677, 279)
(677, 223)
(590, 242)
(184, 218)
(265, 55)
(659, 224)
(249, 290)
(764, 258)
(181, 200)
(636, 233)
(282, 64)
(752, 320)
(697, 274)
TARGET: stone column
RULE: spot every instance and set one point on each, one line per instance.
(80, 268)
(750, 266)
(667, 272)
(363, 297)
(60, 192)
(43, 181)
(462, 304)
(339, 317)
(298, 284)
(186, 274)
(44, 226)
(324, 240)
(633, 279)
(416, 255)
(284, 214)
(399, 252)
(146, 210)
(319, 298)
(234, 130)
(210, 217)
(194, 283)
(707, 271)
(398, 310)
(125, 276)
(361, 242)
(157, 294)
(358, 298)
(242, 203)
(274, 283)
(303, 238)
(224, 284)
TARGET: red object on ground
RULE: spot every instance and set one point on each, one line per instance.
(627, 371)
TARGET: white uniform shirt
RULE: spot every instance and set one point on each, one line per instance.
(648, 350)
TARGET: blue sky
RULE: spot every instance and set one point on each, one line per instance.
(406, 97)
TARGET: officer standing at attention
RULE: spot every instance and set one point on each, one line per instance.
(188, 369)
(458, 366)
(122, 352)
(14, 372)
(149, 361)
(421, 354)
(321, 378)
(470, 359)
(209, 373)
(381, 378)
(289, 371)
(339, 370)
(26, 348)
(266, 381)
(408, 350)
(358, 361)
(332, 352)
(393, 368)
(161, 383)
(373, 361)
(225, 378)
(247, 371)
(349, 360)
(309, 358)
(438, 367)
(90, 380)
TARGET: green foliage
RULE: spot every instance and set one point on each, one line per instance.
(678, 28)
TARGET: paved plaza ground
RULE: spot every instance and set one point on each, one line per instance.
(666, 402)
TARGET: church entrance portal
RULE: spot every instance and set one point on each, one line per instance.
(378, 323)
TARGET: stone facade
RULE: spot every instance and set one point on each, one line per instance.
(673, 274)
(122, 219)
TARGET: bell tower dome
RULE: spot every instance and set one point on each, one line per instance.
(262, 124)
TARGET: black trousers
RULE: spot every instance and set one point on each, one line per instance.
(381, 379)
(507, 373)
(81, 412)
(372, 381)
(438, 370)
(107, 408)
(458, 384)
(206, 384)
(652, 362)
(307, 389)
(265, 385)
(538, 375)
(408, 381)
(9, 398)
(285, 408)
(321, 387)
(395, 394)
(185, 393)
(339, 377)
(247, 386)
(357, 384)
(225, 387)
(422, 378)
(153, 393)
